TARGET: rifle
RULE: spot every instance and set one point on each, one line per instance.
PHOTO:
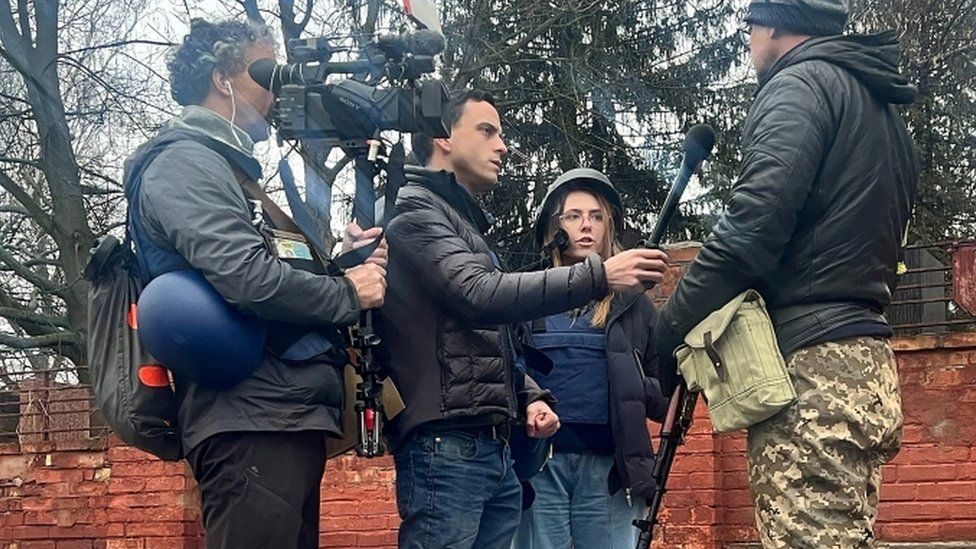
(681, 407)
(697, 146)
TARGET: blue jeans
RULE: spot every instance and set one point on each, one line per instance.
(456, 489)
(573, 505)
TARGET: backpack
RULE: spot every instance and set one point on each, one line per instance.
(132, 390)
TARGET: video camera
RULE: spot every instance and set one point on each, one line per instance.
(357, 108)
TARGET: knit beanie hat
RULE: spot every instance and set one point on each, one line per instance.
(813, 17)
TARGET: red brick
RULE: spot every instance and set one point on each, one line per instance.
(28, 532)
(908, 531)
(126, 485)
(71, 503)
(933, 454)
(75, 544)
(735, 498)
(40, 517)
(957, 531)
(165, 529)
(175, 483)
(943, 491)
(329, 540)
(51, 476)
(898, 492)
(9, 520)
(77, 531)
(143, 469)
(117, 454)
(165, 543)
(377, 539)
(156, 499)
(37, 544)
(77, 460)
(125, 544)
(921, 473)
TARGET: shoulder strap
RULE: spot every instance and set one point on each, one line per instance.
(281, 220)
(278, 216)
(132, 211)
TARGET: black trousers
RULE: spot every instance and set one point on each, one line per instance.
(260, 489)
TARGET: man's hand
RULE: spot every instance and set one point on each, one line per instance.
(369, 281)
(540, 420)
(635, 270)
(354, 237)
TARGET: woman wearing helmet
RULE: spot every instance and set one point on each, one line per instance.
(605, 380)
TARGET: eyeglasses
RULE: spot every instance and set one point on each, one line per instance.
(576, 218)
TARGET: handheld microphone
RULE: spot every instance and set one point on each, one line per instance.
(697, 147)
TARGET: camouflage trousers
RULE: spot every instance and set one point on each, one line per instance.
(815, 467)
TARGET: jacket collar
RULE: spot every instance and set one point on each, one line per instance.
(217, 133)
(445, 185)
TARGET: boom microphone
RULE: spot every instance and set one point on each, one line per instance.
(697, 146)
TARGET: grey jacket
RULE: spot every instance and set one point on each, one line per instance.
(192, 204)
(824, 195)
(445, 321)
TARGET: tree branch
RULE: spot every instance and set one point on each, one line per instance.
(28, 202)
(22, 315)
(252, 11)
(48, 340)
(508, 51)
(305, 18)
(118, 44)
(21, 270)
(46, 19)
(13, 45)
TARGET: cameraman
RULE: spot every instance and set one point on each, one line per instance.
(450, 349)
(257, 449)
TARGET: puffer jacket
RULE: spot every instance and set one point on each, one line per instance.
(824, 194)
(447, 342)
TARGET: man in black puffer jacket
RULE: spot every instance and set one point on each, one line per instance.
(815, 223)
(448, 344)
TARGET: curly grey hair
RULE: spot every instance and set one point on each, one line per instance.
(208, 46)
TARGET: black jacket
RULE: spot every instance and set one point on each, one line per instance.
(444, 324)
(822, 201)
(192, 205)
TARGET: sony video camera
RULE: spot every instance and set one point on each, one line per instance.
(384, 91)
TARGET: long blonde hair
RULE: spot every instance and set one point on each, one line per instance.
(610, 243)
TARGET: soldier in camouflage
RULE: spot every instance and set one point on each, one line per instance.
(814, 224)
(813, 457)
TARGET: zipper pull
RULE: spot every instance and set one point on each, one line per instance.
(630, 502)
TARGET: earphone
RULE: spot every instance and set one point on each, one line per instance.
(233, 113)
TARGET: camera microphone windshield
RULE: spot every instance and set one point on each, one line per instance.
(421, 42)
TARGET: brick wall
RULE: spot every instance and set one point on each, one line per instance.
(99, 494)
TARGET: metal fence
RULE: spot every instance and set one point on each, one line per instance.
(48, 405)
(923, 301)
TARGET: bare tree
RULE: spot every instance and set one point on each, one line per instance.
(74, 86)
